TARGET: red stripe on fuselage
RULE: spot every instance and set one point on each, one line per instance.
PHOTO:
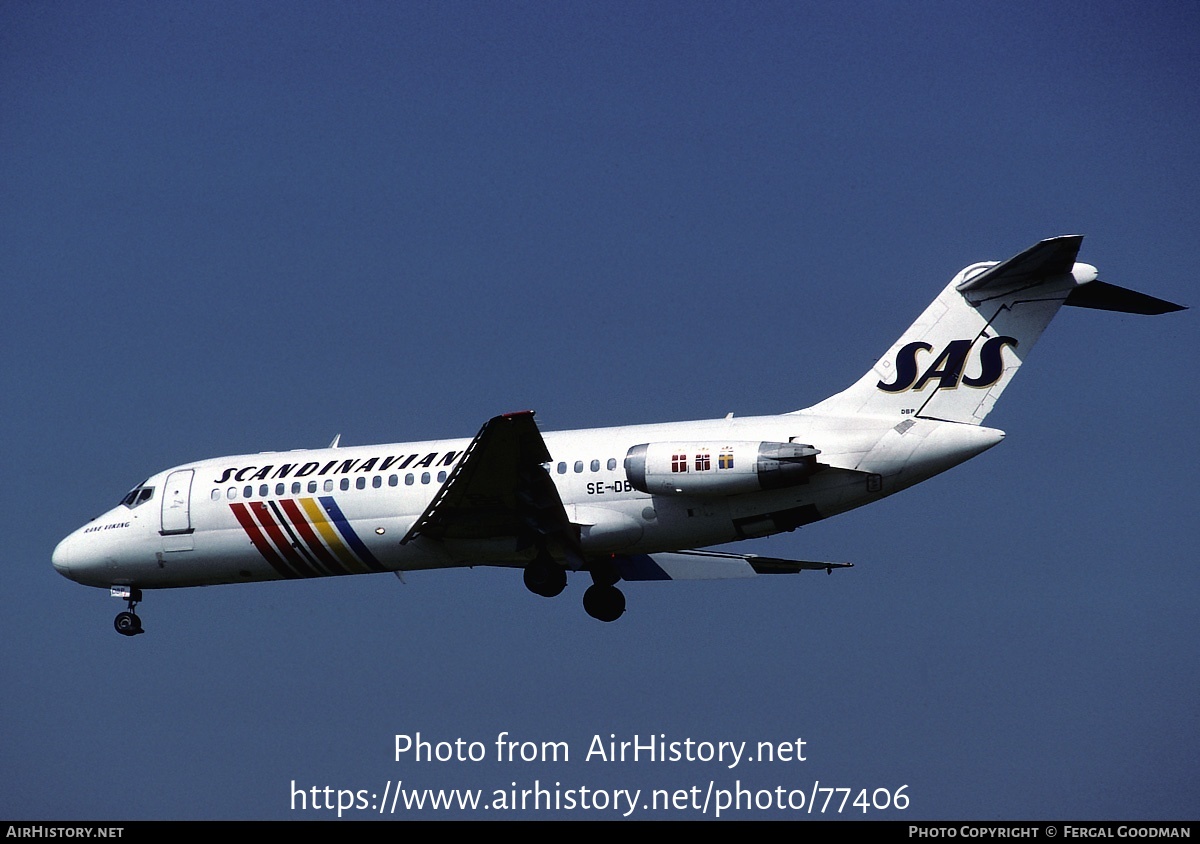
(301, 565)
(259, 541)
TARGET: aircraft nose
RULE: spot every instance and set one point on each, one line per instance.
(65, 553)
(75, 562)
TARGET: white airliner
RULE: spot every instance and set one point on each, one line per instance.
(618, 503)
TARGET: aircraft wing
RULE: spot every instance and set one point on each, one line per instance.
(500, 488)
(711, 565)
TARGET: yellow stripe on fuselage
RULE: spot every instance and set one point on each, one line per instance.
(329, 533)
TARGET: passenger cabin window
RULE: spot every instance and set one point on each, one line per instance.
(578, 466)
(595, 465)
(612, 463)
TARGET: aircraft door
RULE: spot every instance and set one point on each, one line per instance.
(176, 511)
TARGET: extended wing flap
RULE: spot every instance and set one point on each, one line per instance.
(711, 565)
(500, 489)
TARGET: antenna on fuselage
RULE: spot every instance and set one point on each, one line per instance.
(336, 439)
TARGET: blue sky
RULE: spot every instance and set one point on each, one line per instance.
(233, 227)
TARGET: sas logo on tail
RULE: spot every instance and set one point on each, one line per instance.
(947, 368)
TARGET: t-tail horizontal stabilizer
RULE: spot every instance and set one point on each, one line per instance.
(1108, 297)
(711, 565)
(953, 363)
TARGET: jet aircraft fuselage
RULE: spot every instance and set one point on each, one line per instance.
(640, 502)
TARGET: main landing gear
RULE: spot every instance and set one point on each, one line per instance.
(545, 577)
(602, 600)
(127, 623)
(604, 603)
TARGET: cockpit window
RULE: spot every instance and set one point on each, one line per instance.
(140, 494)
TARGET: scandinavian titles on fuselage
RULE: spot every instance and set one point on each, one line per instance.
(338, 466)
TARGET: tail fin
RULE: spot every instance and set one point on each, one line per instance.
(956, 359)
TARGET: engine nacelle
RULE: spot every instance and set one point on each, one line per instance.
(730, 468)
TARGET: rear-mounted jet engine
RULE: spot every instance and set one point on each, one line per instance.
(699, 468)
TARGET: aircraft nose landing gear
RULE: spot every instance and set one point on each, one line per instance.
(127, 623)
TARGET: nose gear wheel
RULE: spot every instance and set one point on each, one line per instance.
(127, 623)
